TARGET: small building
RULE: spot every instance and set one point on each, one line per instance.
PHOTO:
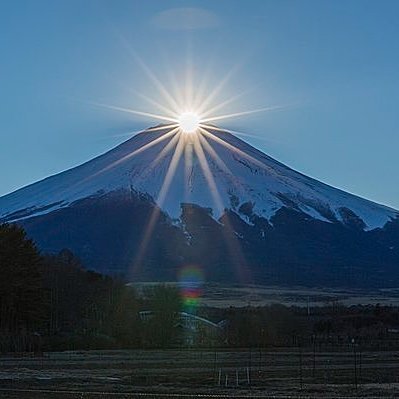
(194, 330)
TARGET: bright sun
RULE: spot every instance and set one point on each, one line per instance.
(189, 122)
(188, 114)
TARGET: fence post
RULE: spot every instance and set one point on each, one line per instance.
(300, 364)
(354, 361)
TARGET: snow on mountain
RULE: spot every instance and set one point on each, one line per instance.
(239, 174)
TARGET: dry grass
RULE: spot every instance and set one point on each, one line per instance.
(272, 373)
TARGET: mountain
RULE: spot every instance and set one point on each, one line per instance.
(154, 204)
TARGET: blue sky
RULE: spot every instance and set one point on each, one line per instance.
(332, 65)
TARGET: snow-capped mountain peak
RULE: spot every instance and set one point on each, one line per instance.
(217, 171)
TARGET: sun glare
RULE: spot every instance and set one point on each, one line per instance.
(187, 133)
(189, 122)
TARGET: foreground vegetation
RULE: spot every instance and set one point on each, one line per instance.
(51, 303)
(283, 372)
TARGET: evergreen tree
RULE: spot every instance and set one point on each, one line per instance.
(165, 303)
(22, 299)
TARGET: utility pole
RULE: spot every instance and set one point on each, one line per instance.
(250, 366)
(354, 361)
(314, 356)
(300, 363)
(360, 364)
(214, 362)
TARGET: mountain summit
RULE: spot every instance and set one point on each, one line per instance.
(288, 227)
(242, 175)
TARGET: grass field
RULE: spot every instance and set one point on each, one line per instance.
(279, 373)
(222, 296)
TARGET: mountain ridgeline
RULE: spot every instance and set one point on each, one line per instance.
(242, 218)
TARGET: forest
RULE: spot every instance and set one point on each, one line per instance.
(52, 303)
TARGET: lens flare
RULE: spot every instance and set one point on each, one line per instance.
(187, 114)
(191, 279)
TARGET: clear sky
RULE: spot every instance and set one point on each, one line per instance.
(332, 65)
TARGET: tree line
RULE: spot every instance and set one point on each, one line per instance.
(50, 302)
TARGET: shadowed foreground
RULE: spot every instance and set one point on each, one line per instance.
(208, 373)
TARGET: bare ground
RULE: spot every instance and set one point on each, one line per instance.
(207, 373)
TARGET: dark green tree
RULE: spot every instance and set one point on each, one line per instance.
(22, 299)
(122, 315)
(165, 303)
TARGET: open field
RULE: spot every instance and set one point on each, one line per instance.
(289, 372)
(224, 296)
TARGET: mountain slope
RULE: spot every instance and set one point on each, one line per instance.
(241, 216)
(241, 174)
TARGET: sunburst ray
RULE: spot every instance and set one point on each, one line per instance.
(235, 132)
(219, 87)
(188, 116)
(219, 161)
(161, 107)
(162, 127)
(160, 199)
(240, 152)
(164, 118)
(163, 153)
(150, 129)
(228, 232)
(189, 86)
(156, 82)
(222, 104)
(208, 174)
(134, 153)
(213, 153)
(126, 157)
(188, 167)
(242, 113)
